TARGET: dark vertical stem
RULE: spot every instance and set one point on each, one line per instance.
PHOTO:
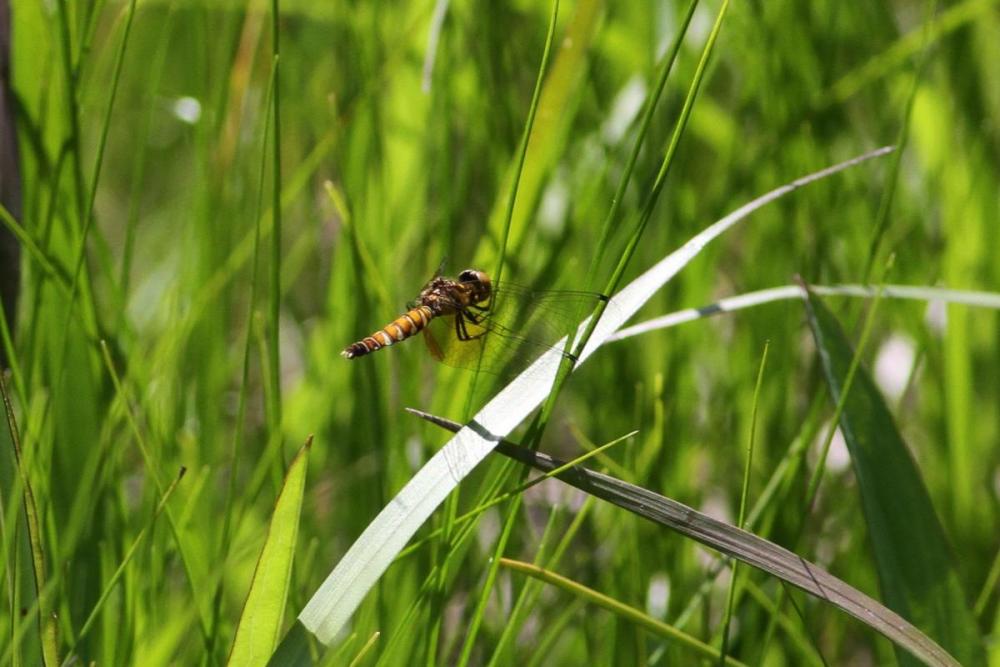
(275, 309)
(10, 184)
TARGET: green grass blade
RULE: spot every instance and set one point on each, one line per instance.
(582, 339)
(48, 637)
(274, 311)
(260, 623)
(916, 572)
(668, 159)
(744, 493)
(522, 152)
(906, 47)
(293, 651)
(989, 300)
(666, 66)
(628, 612)
(115, 578)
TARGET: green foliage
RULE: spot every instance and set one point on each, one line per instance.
(150, 199)
(916, 575)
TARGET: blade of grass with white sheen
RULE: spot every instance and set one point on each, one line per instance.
(342, 591)
(786, 292)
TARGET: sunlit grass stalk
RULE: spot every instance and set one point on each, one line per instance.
(491, 572)
(775, 490)
(744, 493)
(652, 99)
(365, 650)
(628, 612)
(274, 312)
(647, 213)
(519, 607)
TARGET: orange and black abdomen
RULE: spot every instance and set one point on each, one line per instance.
(404, 326)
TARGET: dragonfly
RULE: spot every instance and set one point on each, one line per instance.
(470, 322)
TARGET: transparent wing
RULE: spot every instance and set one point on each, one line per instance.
(516, 327)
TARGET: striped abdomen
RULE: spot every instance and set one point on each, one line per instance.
(404, 326)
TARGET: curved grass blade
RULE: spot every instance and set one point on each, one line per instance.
(342, 591)
(750, 299)
(915, 568)
(260, 624)
(631, 614)
(734, 542)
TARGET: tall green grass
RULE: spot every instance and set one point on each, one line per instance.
(226, 201)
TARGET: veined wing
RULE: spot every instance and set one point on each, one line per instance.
(516, 327)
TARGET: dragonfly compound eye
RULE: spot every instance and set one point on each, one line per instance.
(478, 283)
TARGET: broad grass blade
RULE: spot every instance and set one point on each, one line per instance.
(915, 568)
(294, 649)
(260, 624)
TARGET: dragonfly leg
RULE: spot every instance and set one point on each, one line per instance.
(461, 329)
(473, 317)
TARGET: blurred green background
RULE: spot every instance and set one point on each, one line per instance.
(398, 133)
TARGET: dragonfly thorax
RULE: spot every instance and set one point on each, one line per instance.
(446, 296)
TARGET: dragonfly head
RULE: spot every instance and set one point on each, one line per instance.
(479, 282)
